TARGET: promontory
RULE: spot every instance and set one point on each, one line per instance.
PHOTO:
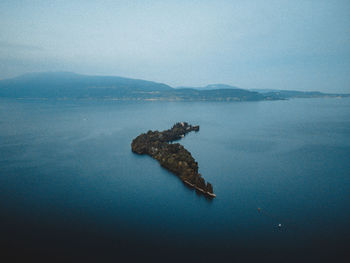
(173, 156)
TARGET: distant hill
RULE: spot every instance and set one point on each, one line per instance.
(217, 94)
(58, 85)
(67, 84)
(71, 85)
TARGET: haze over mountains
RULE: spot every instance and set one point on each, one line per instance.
(210, 87)
(72, 85)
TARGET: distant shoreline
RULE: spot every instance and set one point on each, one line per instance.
(68, 85)
(164, 99)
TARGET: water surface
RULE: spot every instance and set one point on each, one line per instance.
(72, 190)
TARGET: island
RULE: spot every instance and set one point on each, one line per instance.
(173, 156)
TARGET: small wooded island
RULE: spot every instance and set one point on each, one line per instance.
(173, 156)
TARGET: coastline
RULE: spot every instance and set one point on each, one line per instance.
(199, 189)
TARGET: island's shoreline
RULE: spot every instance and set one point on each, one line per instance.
(200, 189)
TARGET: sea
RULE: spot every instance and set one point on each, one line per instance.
(71, 189)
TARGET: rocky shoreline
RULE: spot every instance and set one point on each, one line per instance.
(173, 156)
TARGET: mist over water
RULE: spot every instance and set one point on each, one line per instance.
(71, 189)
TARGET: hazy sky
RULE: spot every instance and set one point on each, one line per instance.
(302, 45)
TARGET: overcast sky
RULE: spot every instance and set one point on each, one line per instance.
(301, 45)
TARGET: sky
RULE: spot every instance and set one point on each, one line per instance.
(299, 45)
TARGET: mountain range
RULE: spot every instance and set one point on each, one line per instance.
(60, 85)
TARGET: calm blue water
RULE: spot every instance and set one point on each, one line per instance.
(72, 190)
